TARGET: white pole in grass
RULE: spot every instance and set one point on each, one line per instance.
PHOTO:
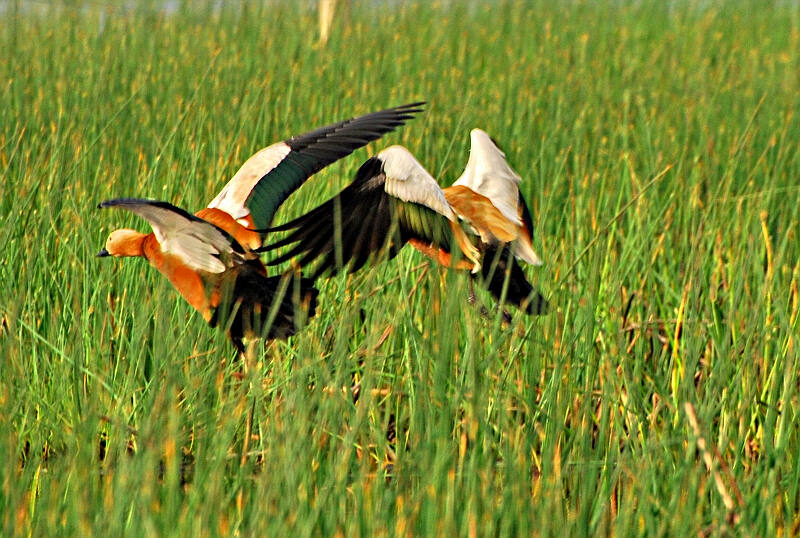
(326, 9)
(326, 12)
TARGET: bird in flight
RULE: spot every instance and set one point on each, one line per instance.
(211, 257)
(481, 223)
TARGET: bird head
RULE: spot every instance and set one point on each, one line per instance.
(123, 242)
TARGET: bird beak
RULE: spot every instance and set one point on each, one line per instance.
(103, 253)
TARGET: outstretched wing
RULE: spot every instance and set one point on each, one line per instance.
(267, 178)
(488, 174)
(198, 243)
(392, 200)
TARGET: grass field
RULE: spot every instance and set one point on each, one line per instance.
(658, 142)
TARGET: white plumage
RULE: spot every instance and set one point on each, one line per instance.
(196, 242)
(408, 180)
(488, 174)
(231, 199)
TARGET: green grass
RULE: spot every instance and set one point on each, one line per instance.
(119, 410)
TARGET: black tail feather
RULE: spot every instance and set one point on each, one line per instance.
(500, 265)
(291, 296)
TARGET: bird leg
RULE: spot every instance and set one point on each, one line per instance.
(473, 299)
(239, 345)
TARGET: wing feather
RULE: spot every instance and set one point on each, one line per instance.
(481, 214)
(407, 180)
(488, 173)
(198, 243)
(267, 178)
(392, 200)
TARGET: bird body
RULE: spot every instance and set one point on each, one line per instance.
(212, 270)
(211, 257)
(186, 280)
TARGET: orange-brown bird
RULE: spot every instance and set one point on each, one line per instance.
(211, 257)
(394, 200)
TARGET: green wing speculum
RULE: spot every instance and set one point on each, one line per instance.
(422, 223)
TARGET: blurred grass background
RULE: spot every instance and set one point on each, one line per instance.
(658, 142)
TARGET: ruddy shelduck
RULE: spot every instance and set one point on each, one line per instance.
(481, 223)
(211, 257)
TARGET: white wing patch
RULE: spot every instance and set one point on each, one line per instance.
(524, 251)
(408, 180)
(489, 174)
(234, 194)
(196, 242)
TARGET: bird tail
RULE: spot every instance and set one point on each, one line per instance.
(269, 307)
(294, 299)
(500, 271)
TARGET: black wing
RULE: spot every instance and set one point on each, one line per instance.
(361, 222)
(271, 175)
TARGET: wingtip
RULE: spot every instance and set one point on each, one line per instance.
(483, 142)
(479, 139)
(114, 202)
(109, 203)
(408, 111)
(415, 104)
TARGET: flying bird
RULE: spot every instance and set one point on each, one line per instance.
(481, 223)
(487, 197)
(211, 257)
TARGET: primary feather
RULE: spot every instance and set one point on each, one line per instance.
(266, 179)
